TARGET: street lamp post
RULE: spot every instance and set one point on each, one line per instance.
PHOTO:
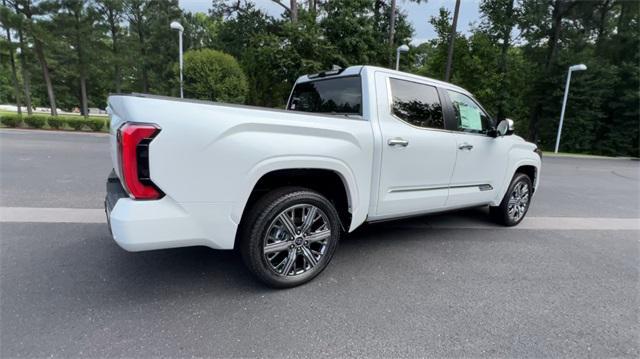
(176, 26)
(401, 48)
(580, 67)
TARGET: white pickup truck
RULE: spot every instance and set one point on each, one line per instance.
(357, 145)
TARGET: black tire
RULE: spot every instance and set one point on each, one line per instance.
(261, 218)
(500, 214)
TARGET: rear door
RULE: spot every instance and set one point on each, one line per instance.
(481, 159)
(418, 155)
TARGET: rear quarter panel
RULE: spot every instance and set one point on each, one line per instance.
(214, 154)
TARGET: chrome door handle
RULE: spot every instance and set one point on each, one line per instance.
(398, 142)
(465, 146)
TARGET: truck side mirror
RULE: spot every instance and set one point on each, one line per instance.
(505, 127)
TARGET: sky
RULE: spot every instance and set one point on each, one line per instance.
(418, 14)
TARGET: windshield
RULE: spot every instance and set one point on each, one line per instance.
(342, 95)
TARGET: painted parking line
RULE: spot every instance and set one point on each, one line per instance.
(52, 215)
(91, 215)
(546, 223)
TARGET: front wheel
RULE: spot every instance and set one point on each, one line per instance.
(515, 204)
(289, 236)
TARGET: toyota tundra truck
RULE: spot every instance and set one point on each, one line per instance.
(355, 145)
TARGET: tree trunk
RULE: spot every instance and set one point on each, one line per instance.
(46, 76)
(26, 75)
(14, 73)
(136, 17)
(37, 44)
(504, 53)
(143, 62)
(83, 95)
(452, 40)
(392, 30)
(84, 101)
(117, 77)
(556, 24)
(293, 8)
(602, 26)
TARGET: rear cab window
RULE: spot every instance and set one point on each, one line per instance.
(338, 95)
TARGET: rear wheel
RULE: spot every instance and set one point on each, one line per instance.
(515, 204)
(289, 236)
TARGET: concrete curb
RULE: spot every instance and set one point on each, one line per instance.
(579, 156)
(40, 130)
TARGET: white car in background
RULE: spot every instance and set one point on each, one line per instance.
(358, 145)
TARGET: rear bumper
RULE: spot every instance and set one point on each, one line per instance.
(115, 192)
(138, 225)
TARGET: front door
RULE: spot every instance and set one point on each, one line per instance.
(418, 156)
(481, 159)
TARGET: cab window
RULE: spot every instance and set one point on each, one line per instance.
(416, 103)
(469, 116)
(341, 95)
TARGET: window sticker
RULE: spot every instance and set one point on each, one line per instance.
(469, 117)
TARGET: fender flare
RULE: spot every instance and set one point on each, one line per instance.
(355, 199)
(509, 176)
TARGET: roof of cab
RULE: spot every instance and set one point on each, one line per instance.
(356, 70)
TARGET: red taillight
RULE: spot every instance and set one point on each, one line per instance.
(133, 141)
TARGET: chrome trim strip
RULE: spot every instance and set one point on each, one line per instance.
(482, 187)
(415, 189)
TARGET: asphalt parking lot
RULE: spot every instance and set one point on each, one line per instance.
(564, 284)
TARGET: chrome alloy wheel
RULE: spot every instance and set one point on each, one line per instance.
(296, 240)
(518, 201)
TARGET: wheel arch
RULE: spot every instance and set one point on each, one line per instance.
(531, 171)
(331, 177)
(528, 166)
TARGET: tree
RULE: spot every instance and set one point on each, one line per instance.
(162, 43)
(137, 16)
(540, 27)
(201, 30)
(499, 21)
(359, 28)
(112, 12)
(213, 75)
(39, 36)
(73, 22)
(24, 64)
(292, 9)
(6, 18)
(393, 18)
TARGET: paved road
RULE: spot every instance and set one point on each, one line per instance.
(399, 289)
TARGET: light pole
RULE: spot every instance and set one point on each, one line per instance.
(580, 67)
(176, 26)
(401, 48)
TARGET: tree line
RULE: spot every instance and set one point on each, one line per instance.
(71, 54)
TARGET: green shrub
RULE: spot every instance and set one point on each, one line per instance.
(35, 121)
(76, 123)
(215, 76)
(96, 124)
(56, 122)
(11, 120)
